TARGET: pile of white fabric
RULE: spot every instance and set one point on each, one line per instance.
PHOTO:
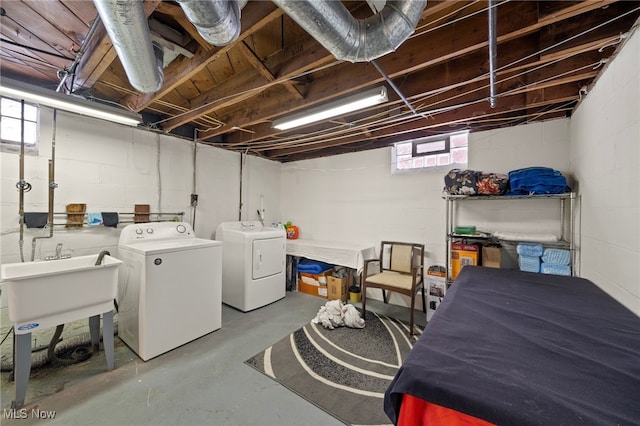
(336, 314)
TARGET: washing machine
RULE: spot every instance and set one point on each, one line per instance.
(169, 287)
(253, 264)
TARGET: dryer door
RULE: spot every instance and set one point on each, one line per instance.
(268, 257)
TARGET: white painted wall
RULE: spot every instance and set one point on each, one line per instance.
(605, 135)
(351, 197)
(112, 167)
(354, 197)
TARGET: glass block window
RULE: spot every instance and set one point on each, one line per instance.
(430, 152)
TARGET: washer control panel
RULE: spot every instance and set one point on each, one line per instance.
(140, 232)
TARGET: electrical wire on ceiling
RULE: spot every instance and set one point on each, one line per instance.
(297, 140)
(205, 120)
(567, 40)
(307, 136)
(3, 14)
(420, 29)
(35, 49)
(333, 134)
(26, 59)
(317, 69)
(253, 91)
(380, 125)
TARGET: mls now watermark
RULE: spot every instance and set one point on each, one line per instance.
(23, 413)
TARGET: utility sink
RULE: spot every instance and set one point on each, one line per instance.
(44, 294)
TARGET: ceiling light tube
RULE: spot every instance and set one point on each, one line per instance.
(18, 90)
(351, 103)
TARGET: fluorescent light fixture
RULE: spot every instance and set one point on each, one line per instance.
(351, 103)
(18, 90)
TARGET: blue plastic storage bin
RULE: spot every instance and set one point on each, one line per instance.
(549, 268)
(556, 256)
(529, 263)
(529, 249)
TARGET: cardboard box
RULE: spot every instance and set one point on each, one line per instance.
(463, 254)
(337, 288)
(436, 289)
(316, 290)
(315, 279)
(492, 256)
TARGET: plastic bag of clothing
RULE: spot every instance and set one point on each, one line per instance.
(492, 183)
(336, 314)
(461, 182)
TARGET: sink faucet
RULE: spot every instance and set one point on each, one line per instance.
(58, 254)
(101, 256)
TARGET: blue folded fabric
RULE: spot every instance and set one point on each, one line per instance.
(549, 268)
(524, 249)
(529, 263)
(94, 219)
(313, 266)
(556, 256)
(537, 180)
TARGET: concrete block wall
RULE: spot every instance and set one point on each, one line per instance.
(111, 168)
(354, 197)
(605, 157)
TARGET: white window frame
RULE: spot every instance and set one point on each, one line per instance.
(439, 157)
(32, 138)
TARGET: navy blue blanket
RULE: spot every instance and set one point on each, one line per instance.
(313, 266)
(520, 348)
(537, 180)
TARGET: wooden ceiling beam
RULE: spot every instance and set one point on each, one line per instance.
(444, 45)
(254, 16)
(257, 64)
(507, 102)
(176, 13)
(297, 63)
(437, 79)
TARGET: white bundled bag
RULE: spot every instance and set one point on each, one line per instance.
(336, 314)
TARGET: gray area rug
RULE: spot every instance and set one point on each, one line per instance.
(344, 371)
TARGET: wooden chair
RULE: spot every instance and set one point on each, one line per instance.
(401, 269)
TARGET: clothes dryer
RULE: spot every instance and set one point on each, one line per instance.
(169, 288)
(253, 264)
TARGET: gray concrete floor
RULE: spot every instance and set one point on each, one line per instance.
(204, 382)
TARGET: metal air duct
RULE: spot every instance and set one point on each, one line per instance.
(217, 21)
(127, 26)
(351, 39)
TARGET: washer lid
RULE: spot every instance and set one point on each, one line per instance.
(167, 246)
(248, 230)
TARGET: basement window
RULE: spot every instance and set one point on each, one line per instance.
(12, 116)
(430, 152)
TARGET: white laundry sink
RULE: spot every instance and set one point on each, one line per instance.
(47, 293)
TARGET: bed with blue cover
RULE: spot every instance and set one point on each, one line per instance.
(518, 348)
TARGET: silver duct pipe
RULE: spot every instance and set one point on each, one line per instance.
(217, 21)
(127, 26)
(493, 54)
(351, 39)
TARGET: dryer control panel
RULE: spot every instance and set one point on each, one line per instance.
(152, 231)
